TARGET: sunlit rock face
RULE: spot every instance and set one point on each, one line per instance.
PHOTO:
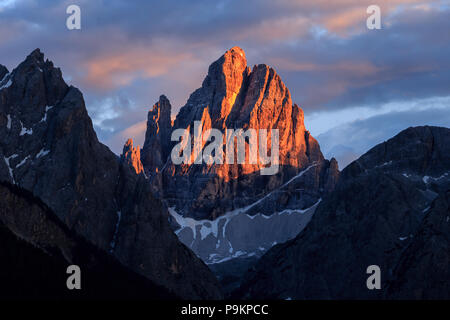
(48, 146)
(234, 96)
(132, 156)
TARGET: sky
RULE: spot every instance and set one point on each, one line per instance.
(357, 87)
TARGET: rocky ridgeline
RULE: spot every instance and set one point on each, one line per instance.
(48, 146)
(233, 96)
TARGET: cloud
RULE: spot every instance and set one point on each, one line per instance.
(136, 132)
(278, 29)
(407, 60)
(117, 69)
(343, 154)
(342, 21)
(347, 17)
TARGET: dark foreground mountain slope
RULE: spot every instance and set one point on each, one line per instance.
(49, 147)
(379, 214)
(37, 249)
(423, 271)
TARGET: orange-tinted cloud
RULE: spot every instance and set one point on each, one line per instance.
(341, 21)
(110, 70)
(348, 16)
(355, 68)
(135, 132)
(354, 15)
(277, 29)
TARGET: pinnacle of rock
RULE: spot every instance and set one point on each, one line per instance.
(132, 156)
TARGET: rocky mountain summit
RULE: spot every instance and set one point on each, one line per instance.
(48, 146)
(390, 208)
(233, 96)
(225, 211)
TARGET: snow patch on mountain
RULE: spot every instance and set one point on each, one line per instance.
(42, 153)
(22, 162)
(8, 125)
(7, 160)
(44, 118)
(24, 130)
(238, 234)
(7, 84)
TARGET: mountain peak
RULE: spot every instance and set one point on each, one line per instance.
(35, 62)
(163, 106)
(228, 70)
(36, 53)
(36, 56)
(132, 156)
(128, 144)
(163, 99)
(422, 150)
(35, 85)
(159, 125)
(236, 52)
(234, 96)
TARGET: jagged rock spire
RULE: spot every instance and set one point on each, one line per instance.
(156, 147)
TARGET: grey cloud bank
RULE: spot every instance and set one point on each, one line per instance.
(349, 141)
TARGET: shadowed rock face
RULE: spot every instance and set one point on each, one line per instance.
(233, 96)
(3, 72)
(156, 147)
(48, 146)
(379, 214)
(423, 269)
(37, 249)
